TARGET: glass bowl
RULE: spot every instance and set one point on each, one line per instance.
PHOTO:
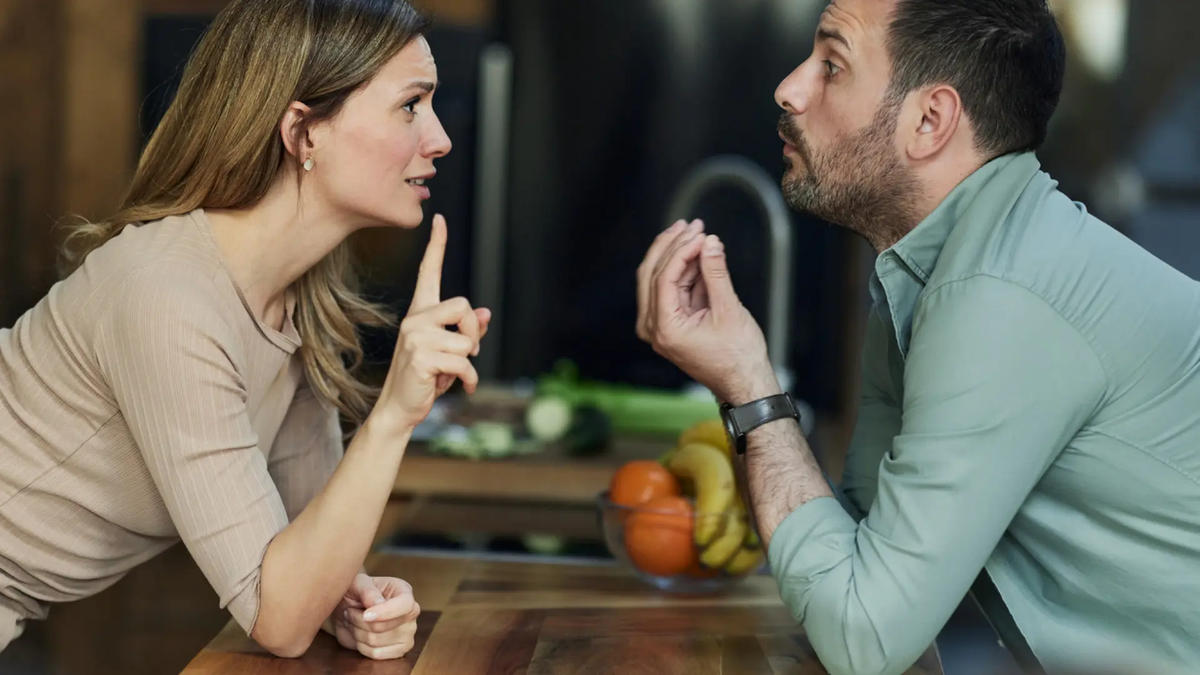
(658, 539)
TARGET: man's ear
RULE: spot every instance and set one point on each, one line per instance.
(297, 143)
(940, 110)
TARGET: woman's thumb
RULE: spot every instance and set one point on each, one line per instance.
(368, 592)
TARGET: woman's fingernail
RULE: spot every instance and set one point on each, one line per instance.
(713, 246)
(346, 614)
(369, 616)
(475, 352)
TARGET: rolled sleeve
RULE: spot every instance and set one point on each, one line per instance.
(996, 384)
(169, 358)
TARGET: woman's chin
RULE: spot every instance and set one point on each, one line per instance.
(408, 219)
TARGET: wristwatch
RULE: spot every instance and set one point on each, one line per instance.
(743, 419)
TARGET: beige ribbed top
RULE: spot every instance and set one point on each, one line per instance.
(142, 403)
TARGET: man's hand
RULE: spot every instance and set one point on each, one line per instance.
(377, 617)
(689, 312)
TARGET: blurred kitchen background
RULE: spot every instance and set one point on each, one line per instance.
(580, 128)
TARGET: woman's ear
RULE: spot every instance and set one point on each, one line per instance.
(941, 111)
(294, 133)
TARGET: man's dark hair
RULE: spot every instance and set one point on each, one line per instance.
(1006, 59)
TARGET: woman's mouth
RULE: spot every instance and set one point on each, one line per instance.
(418, 184)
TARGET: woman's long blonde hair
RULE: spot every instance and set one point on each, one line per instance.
(218, 147)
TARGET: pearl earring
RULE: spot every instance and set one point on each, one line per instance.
(308, 164)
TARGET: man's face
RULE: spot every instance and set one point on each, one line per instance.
(842, 158)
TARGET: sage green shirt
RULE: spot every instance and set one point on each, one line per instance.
(1031, 404)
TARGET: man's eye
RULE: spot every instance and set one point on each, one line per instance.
(831, 68)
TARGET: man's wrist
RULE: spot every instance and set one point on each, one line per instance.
(761, 385)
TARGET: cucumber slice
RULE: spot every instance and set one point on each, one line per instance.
(545, 544)
(494, 438)
(548, 418)
(456, 441)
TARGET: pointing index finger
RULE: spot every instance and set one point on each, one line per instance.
(429, 279)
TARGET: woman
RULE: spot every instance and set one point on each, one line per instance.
(184, 381)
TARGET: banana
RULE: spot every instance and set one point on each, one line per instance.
(752, 540)
(727, 544)
(708, 432)
(665, 458)
(712, 478)
(746, 560)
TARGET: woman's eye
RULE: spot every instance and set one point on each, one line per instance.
(409, 107)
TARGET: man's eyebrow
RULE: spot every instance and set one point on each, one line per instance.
(824, 33)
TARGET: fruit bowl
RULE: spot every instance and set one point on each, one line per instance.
(658, 542)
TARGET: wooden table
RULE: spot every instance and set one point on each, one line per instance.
(484, 617)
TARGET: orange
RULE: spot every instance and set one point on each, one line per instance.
(658, 536)
(639, 481)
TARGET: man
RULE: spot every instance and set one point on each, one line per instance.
(1029, 428)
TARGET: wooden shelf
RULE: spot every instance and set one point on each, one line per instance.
(549, 476)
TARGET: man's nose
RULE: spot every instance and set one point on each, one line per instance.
(794, 92)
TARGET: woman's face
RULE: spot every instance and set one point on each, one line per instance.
(373, 161)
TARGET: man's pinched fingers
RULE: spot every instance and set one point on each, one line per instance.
(666, 285)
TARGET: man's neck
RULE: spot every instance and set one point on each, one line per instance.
(937, 182)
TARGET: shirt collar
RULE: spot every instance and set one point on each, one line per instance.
(902, 271)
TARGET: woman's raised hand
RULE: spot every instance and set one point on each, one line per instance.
(428, 357)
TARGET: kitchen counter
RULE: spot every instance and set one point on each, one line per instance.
(484, 616)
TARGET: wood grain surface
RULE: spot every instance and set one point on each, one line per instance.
(485, 617)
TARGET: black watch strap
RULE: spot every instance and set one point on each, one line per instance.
(743, 419)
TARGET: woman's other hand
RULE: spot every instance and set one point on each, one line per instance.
(377, 617)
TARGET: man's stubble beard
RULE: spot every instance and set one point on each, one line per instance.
(859, 183)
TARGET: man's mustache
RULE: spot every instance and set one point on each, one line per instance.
(792, 134)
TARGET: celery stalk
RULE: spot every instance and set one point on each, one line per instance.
(638, 410)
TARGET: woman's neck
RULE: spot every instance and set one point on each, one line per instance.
(272, 244)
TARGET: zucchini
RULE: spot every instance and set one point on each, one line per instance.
(590, 433)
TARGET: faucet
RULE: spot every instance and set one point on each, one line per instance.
(740, 172)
